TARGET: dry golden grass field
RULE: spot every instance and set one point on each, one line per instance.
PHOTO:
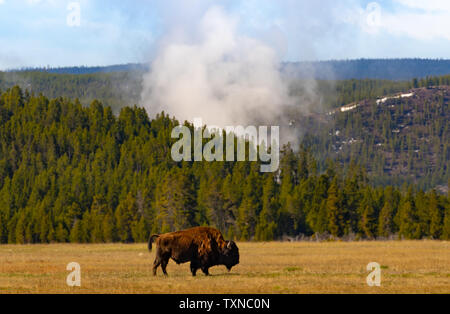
(304, 267)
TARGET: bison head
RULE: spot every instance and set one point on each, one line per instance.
(230, 255)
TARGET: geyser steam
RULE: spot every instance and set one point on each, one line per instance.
(217, 75)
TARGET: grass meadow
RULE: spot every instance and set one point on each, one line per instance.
(300, 267)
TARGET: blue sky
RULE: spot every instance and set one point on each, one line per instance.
(36, 32)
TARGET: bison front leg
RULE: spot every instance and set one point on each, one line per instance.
(205, 270)
(194, 268)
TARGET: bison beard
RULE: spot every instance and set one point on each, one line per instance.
(202, 246)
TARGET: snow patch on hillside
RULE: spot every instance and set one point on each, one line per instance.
(349, 108)
(383, 100)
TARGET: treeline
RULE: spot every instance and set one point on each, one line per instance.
(70, 173)
(119, 86)
(358, 69)
(117, 89)
(89, 69)
(123, 87)
(383, 69)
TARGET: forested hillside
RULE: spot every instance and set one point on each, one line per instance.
(82, 174)
(397, 139)
(392, 152)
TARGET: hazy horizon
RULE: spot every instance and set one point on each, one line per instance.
(40, 33)
(39, 67)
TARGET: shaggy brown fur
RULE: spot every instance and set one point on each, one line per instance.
(202, 246)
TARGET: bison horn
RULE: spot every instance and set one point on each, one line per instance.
(229, 245)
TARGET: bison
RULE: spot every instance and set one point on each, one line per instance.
(202, 246)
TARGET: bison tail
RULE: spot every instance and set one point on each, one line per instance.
(150, 240)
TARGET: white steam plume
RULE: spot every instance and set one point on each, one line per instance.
(221, 76)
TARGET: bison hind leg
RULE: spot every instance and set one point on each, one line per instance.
(164, 262)
(160, 259)
(156, 264)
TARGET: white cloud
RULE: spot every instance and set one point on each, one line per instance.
(418, 26)
(428, 5)
(47, 2)
(432, 23)
(420, 20)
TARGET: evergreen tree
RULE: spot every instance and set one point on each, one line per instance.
(3, 237)
(61, 233)
(334, 212)
(386, 218)
(406, 218)
(368, 222)
(97, 214)
(20, 230)
(267, 224)
(125, 216)
(175, 202)
(76, 235)
(446, 226)
(435, 216)
(250, 206)
(109, 228)
(139, 230)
